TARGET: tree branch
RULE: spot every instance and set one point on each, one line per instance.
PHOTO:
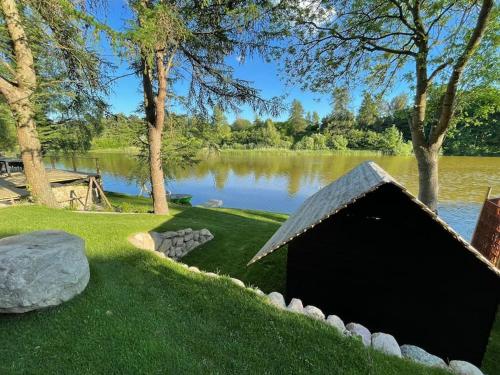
(447, 106)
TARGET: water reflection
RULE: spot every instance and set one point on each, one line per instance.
(281, 182)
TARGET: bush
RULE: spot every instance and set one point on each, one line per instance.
(393, 142)
(337, 142)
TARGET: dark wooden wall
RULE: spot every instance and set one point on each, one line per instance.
(386, 264)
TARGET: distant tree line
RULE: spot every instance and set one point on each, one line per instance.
(378, 125)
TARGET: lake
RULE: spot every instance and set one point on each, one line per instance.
(280, 182)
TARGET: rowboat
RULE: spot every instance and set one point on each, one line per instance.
(181, 198)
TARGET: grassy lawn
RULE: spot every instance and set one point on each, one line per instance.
(141, 314)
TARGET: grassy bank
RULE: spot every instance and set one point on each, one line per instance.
(141, 314)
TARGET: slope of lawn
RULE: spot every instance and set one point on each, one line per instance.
(269, 273)
(141, 314)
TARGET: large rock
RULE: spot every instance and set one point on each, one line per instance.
(386, 343)
(464, 368)
(419, 355)
(360, 331)
(41, 269)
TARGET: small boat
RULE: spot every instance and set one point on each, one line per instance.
(180, 198)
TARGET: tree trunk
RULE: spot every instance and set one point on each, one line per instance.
(36, 176)
(428, 181)
(19, 98)
(160, 205)
(155, 113)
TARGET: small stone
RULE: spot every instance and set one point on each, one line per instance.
(188, 237)
(277, 300)
(194, 269)
(165, 245)
(336, 322)
(184, 265)
(419, 355)
(205, 232)
(109, 313)
(295, 305)
(181, 232)
(196, 236)
(238, 282)
(258, 291)
(162, 255)
(169, 234)
(314, 312)
(189, 245)
(179, 241)
(211, 274)
(360, 331)
(188, 230)
(386, 343)
(464, 368)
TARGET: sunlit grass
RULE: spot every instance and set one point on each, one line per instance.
(142, 314)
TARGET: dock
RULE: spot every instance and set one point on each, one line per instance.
(13, 185)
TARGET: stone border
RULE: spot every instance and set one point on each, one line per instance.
(382, 342)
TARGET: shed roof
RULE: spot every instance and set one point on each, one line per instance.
(354, 185)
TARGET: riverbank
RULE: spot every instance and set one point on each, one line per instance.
(144, 314)
(135, 151)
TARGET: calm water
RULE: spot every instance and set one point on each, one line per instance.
(281, 182)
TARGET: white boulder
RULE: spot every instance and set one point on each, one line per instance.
(277, 300)
(464, 368)
(41, 269)
(295, 305)
(360, 331)
(386, 343)
(314, 312)
(419, 355)
(336, 322)
(238, 282)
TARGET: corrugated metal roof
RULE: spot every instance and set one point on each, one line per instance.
(360, 181)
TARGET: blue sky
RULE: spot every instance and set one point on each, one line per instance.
(126, 95)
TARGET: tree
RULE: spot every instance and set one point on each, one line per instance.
(241, 124)
(7, 129)
(379, 39)
(44, 54)
(369, 111)
(296, 122)
(341, 120)
(219, 119)
(316, 121)
(190, 41)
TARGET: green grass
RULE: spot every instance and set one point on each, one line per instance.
(141, 314)
(269, 273)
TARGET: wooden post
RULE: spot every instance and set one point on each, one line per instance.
(97, 169)
(74, 163)
(488, 192)
(7, 167)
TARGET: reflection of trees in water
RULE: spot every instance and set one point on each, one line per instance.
(462, 178)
